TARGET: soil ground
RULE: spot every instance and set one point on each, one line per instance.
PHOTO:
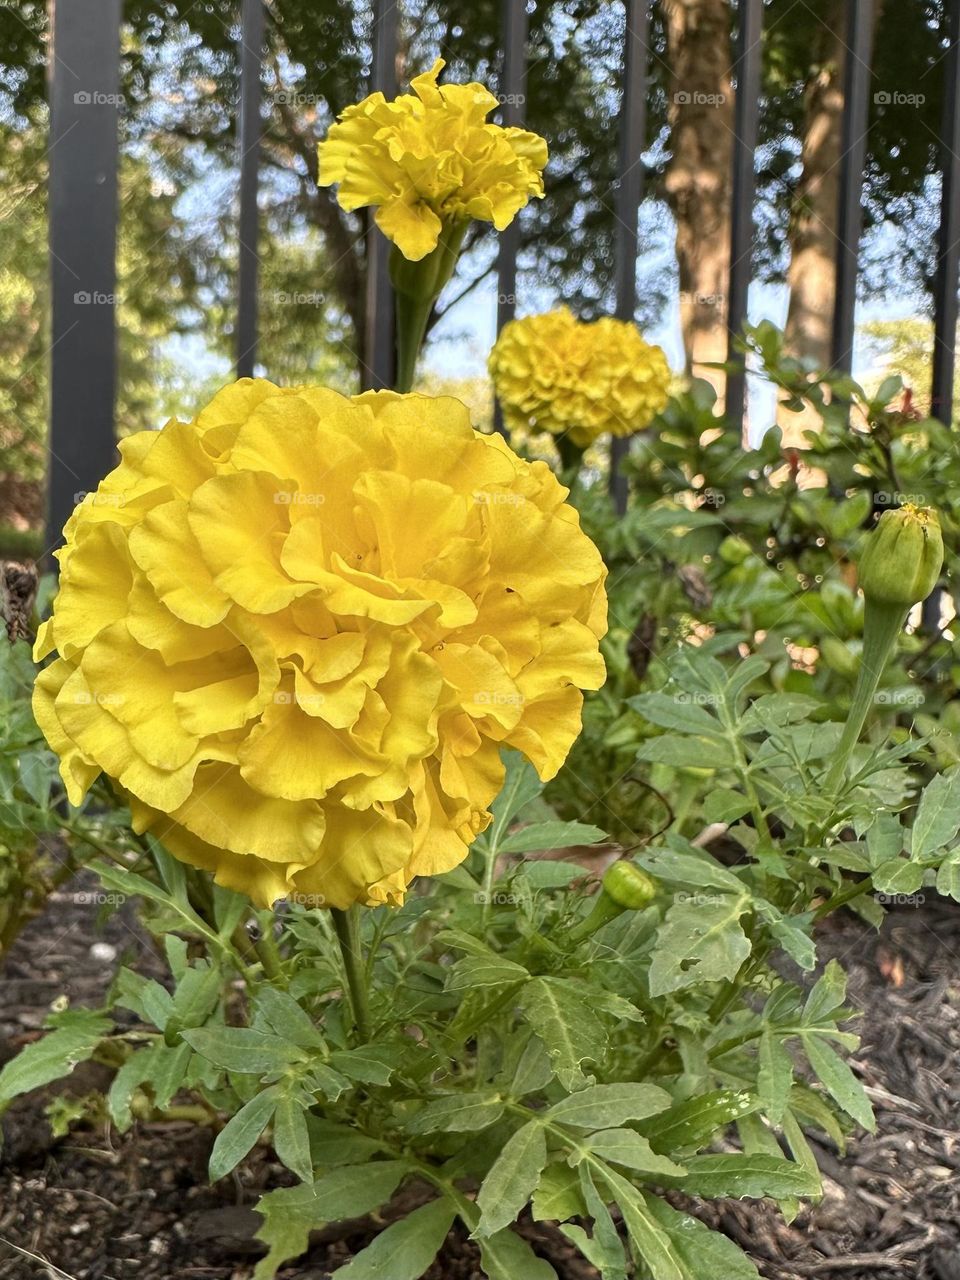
(101, 1207)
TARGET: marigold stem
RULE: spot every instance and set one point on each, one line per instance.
(347, 925)
(882, 624)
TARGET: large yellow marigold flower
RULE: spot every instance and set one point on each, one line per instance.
(431, 157)
(554, 373)
(297, 631)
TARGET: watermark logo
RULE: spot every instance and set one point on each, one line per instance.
(94, 298)
(310, 298)
(694, 98)
(498, 899)
(291, 98)
(894, 498)
(497, 698)
(89, 698)
(482, 498)
(895, 98)
(94, 98)
(307, 899)
(98, 499)
(900, 698)
(298, 499)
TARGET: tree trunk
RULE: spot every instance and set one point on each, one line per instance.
(698, 178)
(813, 218)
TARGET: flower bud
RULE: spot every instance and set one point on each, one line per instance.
(629, 886)
(904, 556)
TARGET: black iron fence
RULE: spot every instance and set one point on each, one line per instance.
(84, 95)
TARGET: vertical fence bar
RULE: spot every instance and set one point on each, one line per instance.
(379, 364)
(856, 86)
(948, 241)
(633, 133)
(513, 83)
(747, 71)
(84, 97)
(251, 58)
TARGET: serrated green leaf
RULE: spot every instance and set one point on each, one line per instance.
(547, 873)
(291, 1213)
(54, 1056)
(551, 835)
(533, 1071)
(681, 712)
(370, 1064)
(286, 1019)
(480, 971)
(775, 1075)
(699, 942)
(885, 838)
(938, 814)
(605, 1106)
(827, 995)
(757, 1139)
(900, 875)
(243, 1049)
(168, 1071)
(702, 1254)
(458, 1113)
(746, 1176)
(506, 1257)
(604, 1249)
(796, 941)
(512, 1179)
(626, 1147)
(291, 1138)
(240, 1133)
(648, 1238)
(693, 1123)
(839, 1081)
(694, 870)
(687, 752)
(570, 1030)
(333, 1145)
(520, 786)
(405, 1249)
(724, 805)
(558, 1195)
(125, 1084)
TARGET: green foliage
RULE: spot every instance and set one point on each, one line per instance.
(590, 1070)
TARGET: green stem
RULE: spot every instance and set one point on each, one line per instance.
(571, 460)
(267, 950)
(412, 317)
(882, 624)
(603, 911)
(347, 925)
(418, 285)
(850, 891)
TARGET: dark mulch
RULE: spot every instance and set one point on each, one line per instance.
(103, 1207)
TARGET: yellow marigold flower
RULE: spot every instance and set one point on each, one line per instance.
(430, 157)
(554, 373)
(296, 631)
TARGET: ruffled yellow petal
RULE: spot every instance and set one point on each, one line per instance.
(296, 631)
(430, 157)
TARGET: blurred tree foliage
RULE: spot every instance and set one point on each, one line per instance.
(180, 85)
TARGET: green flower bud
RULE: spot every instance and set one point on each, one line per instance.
(904, 556)
(629, 886)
